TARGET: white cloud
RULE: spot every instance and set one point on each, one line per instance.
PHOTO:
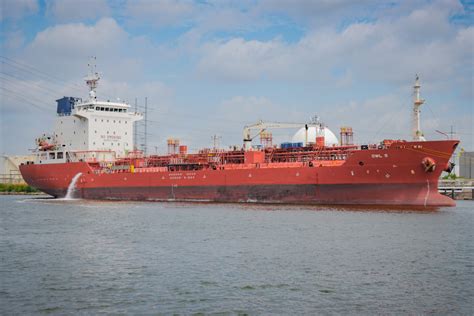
(387, 50)
(17, 9)
(65, 49)
(159, 12)
(323, 12)
(238, 59)
(384, 116)
(74, 10)
(78, 39)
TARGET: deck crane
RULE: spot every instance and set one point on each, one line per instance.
(262, 126)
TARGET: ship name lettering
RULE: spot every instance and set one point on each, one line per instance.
(175, 176)
(111, 137)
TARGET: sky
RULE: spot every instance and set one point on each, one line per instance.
(211, 67)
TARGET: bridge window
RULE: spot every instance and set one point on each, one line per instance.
(60, 155)
(52, 156)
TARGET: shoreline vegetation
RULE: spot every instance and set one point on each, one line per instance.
(11, 189)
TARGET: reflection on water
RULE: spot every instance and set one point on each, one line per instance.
(251, 206)
(94, 257)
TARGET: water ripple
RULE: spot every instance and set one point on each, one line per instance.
(87, 257)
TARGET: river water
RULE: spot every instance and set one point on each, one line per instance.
(89, 257)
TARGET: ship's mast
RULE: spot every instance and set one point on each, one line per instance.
(417, 102)
(92, 79)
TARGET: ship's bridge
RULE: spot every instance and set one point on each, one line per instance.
(103, 106)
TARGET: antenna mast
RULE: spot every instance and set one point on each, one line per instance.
(417, 102)
(92, 79)
(135, 129)
(215, 141)
(145, 149)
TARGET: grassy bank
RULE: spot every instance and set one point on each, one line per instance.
(16, 188)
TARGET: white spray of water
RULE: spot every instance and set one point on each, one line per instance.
(72, 187)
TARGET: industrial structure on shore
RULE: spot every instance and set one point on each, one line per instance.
(10, 168)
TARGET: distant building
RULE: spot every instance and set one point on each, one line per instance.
(466, 165)
(9, 168)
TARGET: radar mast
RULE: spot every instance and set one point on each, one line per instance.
(92, 79)
(417, 102)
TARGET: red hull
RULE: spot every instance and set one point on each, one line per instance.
(393, 176)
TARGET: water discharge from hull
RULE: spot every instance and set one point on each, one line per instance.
(72, 187)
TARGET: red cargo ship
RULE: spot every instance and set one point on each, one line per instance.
(91, 156)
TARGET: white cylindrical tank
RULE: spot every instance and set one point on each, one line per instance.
(329, 138)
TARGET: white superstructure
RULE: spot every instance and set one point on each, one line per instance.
(90, 130)
(97, 126)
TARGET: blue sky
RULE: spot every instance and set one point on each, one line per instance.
(210, 67)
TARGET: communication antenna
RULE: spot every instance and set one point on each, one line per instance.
(314, 119)
(417, 102)
(92, 79)
(216, 140)
(135, 134)
(452, 132)
(145, 148)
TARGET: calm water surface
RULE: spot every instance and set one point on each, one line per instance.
(85, 257)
